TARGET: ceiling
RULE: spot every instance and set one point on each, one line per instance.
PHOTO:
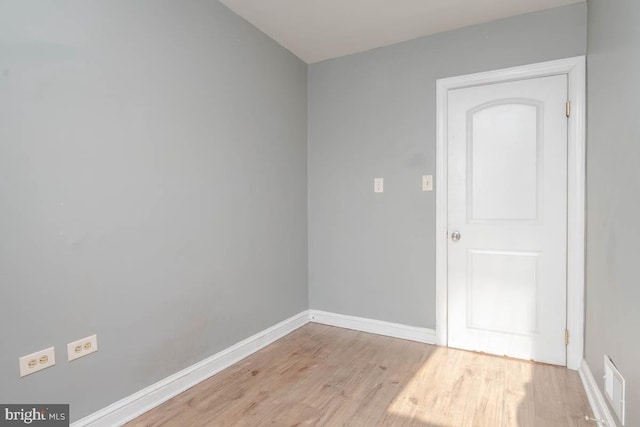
(316, 30)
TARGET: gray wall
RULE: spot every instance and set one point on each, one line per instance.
(152, 190)
(373, 115)
(613, 193)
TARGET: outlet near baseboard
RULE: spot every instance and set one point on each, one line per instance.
(82, 347)
(37, 361)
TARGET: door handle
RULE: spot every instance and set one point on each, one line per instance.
(455, 236)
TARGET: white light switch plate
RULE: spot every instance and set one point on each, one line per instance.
(378, 185)
(427, 182)
(37, 361)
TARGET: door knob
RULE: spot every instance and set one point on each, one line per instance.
(455, 236)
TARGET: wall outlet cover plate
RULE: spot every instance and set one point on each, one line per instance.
(82, 347)
(34, 362)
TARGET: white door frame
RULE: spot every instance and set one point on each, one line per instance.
(575, 69)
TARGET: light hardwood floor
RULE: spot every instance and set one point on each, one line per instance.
(326, 376)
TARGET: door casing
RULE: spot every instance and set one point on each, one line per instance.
(574, 68)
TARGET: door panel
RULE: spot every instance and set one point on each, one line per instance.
(513, 175)
(507, 192)
(509, 309)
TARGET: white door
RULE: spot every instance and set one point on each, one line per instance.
(507, 218)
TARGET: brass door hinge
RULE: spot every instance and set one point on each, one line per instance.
(566, 337)
(568, 108)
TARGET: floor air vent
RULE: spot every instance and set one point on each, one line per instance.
(614, 387)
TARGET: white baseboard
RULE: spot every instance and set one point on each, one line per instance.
(396, 330)
(146, 399)
(138, 403)
(596, 399)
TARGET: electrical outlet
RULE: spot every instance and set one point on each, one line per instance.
(37, 361)
(82, 347)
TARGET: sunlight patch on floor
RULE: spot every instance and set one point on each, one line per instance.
(463, 386)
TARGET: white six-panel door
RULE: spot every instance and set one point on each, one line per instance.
(507, 218)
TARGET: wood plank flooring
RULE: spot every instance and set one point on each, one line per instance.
(325, 376)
